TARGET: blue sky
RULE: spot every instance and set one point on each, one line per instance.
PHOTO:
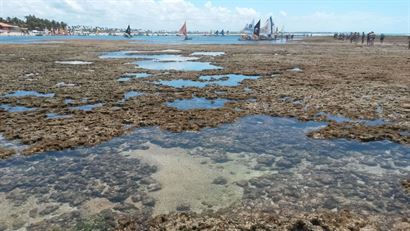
(390, 16)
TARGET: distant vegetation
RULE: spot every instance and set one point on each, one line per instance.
(31, 22)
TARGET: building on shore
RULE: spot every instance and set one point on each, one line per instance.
(4, 27)
(8, 29)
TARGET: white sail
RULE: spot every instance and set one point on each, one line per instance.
(249, 27)
(268, 29)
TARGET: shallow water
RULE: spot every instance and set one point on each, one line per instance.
(342, 119)
(87, 107)
(165, 57)
(161, 62)
(131, 94)
(180, 83)
(68, 101)
(12, 145)
(178, 66)
(197, 103)
(230, 80)
(128, 76)
(57, 116)
(11, 108)
(208, 53)
(258, 160)
(21, 93)
(170, 39)
(77, 62)
(157, 57)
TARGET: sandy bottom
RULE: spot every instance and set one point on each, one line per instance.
(188, 180)
(18, 217)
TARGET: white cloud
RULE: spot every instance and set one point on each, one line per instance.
(170, 14)
(349, 21)
(145, 14)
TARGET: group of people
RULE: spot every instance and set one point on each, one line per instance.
(356, 36)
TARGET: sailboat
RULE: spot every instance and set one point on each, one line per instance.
(247, 31)
(267, 31)
(127, 33)
(256, 33)
(184, 32)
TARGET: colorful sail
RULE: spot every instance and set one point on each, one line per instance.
(183, 30)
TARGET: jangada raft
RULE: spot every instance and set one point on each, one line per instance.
(127, 33)
(183, 32)
(253, 32)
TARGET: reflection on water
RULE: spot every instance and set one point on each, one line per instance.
(21, 93)
(134, 54)
(230, 80)
(179, 83)
(165, 57)
(161, 61)
(259, 160)
(178, 66)
(138, 55)
(197, 103)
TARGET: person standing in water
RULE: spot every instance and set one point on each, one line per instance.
(363, 36)
(368, 38)
(409, 42)
(382, 38)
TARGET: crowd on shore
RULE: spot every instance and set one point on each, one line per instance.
(356, 37)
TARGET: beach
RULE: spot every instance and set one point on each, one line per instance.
(335, 117)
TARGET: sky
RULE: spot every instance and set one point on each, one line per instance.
(388, 16)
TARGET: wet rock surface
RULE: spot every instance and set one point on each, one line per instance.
(366, 86)
(258, 220)
(54, 190)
